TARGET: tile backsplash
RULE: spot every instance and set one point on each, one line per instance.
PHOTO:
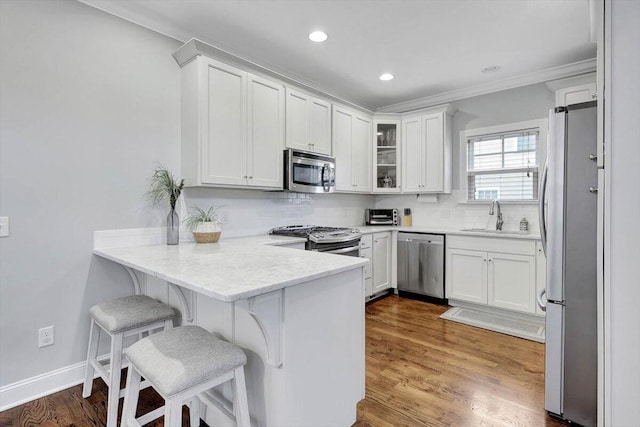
(251, 212)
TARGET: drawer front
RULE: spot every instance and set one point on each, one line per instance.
(492, 244)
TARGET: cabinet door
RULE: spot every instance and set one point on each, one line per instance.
(433, 152)
(541, 273)
(576, 94)
(381, 261)
(512, 281)
(342, 135)
(266, 133)
(368, 254)
(319, 132)
(412, 162)
(466, 276)
(297, 116)
(224, 137)
(361, 154)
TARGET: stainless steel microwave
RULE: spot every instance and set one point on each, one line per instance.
(306, 172)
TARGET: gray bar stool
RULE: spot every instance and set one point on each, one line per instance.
(181, 364)
(120, 318)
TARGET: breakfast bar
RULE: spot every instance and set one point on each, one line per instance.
(298, 315)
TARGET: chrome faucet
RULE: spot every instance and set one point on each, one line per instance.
(499, 221)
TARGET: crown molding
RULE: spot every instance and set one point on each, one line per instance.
(563, 71)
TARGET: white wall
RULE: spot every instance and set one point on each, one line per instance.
(622, 211)
(509, 106)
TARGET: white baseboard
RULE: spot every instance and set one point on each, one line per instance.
(24, 391)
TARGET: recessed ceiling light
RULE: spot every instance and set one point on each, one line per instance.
(386, 76)
(491, 69)
(318, 36)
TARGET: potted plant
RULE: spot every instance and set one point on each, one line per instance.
(205, 225)
(165, 186)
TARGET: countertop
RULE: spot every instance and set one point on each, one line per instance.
(507, 234)
(232, 269)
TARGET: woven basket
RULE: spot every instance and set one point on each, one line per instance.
(207, 237)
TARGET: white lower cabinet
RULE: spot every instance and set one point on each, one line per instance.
(467, 275)
(498, 272)
(377, 274)
(511, 281)
(381, 261)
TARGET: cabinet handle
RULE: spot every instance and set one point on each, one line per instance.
(484, 259)
(245, 177)
(594, 95)
(250, 177)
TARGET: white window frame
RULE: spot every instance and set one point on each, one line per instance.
(541, 153)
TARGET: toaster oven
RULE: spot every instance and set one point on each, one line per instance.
(381, 216)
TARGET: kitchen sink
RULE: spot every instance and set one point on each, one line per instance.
(491, 231)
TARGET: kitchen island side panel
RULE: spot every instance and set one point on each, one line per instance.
(321, 378)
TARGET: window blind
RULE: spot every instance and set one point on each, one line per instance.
(503, 166)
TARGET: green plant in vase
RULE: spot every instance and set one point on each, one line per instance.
(163, 185)
(205, 225)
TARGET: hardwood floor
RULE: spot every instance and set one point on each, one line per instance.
(421, 371)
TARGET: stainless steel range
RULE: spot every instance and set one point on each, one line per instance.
(334, 240)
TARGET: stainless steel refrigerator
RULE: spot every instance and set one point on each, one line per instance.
(569, 236)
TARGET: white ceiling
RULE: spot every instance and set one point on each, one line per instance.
(431, 46)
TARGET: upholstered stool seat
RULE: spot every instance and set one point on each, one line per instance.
(181, 364)
(120, 318)
(130, 312)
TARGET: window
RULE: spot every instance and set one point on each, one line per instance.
(502, 162)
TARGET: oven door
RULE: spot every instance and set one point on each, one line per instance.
(306, 174)
(351, 248)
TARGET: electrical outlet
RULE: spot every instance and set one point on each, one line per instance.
(45, 336)
(4, 226)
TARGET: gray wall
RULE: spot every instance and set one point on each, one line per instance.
(89, 103)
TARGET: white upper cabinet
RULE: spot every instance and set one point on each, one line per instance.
(386, 156)
(224, 134)
(266, 132)
(576, 94)
(426, 152)
(232, 127)
(308, 122)
(352, 150)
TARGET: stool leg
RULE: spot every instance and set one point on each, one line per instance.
(92, 354)
(131, 393)
(194, 412)
(242, 411)
(173, 412)
(114, 379)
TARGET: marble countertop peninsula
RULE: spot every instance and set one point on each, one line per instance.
(232, 269)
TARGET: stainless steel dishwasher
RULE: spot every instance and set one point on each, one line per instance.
(421, 266)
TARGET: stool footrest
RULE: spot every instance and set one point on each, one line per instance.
(211, 401)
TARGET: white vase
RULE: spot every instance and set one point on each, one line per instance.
(207, 232)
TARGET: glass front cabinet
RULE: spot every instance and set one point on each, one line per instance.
(386, 156)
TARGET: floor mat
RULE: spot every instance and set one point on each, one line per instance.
(511, 325)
